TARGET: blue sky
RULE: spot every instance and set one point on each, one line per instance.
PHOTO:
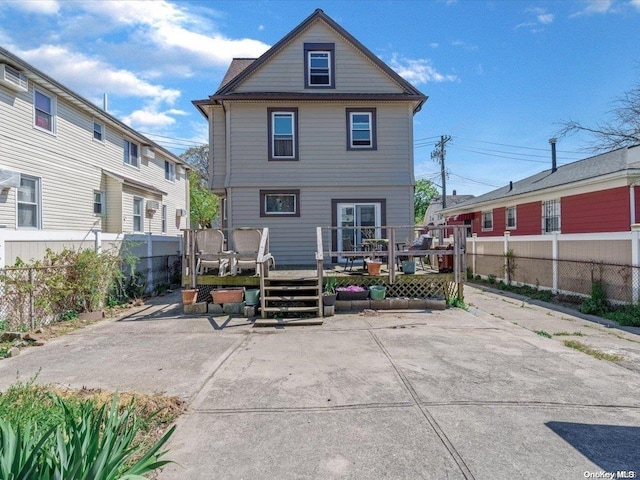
(501, 76)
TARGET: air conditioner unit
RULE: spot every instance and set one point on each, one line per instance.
(181, 212)
(148, 152)
(180, 170)
(152, 205)
(9, 179)
(13, 79)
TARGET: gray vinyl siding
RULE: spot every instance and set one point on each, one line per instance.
(324, 158)
(70, 165)
(285, 71)
(293, 239)
(219, 146)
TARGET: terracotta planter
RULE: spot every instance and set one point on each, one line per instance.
(227, 295)
(189, 296)
(374, 268)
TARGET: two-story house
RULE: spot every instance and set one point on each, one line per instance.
(318, 131)
(68, 166)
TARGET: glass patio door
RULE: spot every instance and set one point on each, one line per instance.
(357, 222)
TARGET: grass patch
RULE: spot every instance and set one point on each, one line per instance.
(592, 351)
(542, 333)
(568, 334)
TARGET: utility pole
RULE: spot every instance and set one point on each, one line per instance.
(438, 155)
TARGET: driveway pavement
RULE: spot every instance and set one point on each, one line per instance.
(438, 394)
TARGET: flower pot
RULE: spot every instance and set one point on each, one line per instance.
(189, 296)
(252, 296)
(409, 266)
(329, 299)
(227, 295)
(374, 268)
(377, 292)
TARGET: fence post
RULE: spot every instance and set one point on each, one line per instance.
(98, 240)
(150, 280)
(474, 237)
(32, 320)
(635, 262)
(2, 250)
(554, 256)
(505, 264)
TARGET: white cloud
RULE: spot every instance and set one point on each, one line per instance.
(466, 46)
(542, 17)
(635, 3)
(148, 118)
(45, 7)
(545, 18)
(93, 76)
(418, 71)
(595, 7)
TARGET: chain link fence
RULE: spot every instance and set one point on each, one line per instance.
(25, 291)
(621, 283)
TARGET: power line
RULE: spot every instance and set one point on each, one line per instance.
(516, 146)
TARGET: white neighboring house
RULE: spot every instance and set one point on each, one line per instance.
(68, 168)
(432, 215)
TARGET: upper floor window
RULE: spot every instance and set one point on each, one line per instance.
(29, 207)
(98, 203)
(44, 111)
(511, 217)
(164, 219)
(137, 214)
(131, 153)
(551, 216)
(361, 128)
(487, 220)
(169, 171)
(98, 131)
(319, 65)
(283, 134)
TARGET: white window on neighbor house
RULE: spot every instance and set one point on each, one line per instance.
(44, 111)
(131, 156)
(29, 204)
(551, 216)
(99, 207)
(169, 171)
(511, 218)
(137, 215)
(487, 220)
(361, 124)
(98, 131)
(164, 219)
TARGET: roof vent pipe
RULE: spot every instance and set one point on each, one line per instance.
(554, 166)
(105, 102)
(510, 186)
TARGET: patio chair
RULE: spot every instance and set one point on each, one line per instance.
(424, 244)
(209, 245)
(348, 246)
(246, 243)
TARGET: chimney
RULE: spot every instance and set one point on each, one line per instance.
(510, 186)
(105, 103)
(454, 193)
(554, 166)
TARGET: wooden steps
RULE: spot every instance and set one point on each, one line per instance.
(282, 298)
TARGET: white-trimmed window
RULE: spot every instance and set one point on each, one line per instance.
(29, 206)
(99, 207)
(319, 65)
(280, 203)
(98, 131)
(487, 220)
(169, 171)
(361, 128)
(131, 155)
(165, 222)
(137, 215)
(551, 216)
(510, 215)
(283, 133)
(44, 111)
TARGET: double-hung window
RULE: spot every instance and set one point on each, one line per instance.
(361, 129)
(98, 131)
(487, 220)
(169, 171)
(137, 214)
(44, 111)
(551, 216)
(131, 153)
(29, 207)
(511, 218)
(283, 134)
(319, 65)
(98, 203)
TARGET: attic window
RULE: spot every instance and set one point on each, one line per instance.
(319, 65)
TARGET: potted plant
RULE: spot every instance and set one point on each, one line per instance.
(189, 296)
(373, 267)
(329, 294)
(377, 292)
(352, 292)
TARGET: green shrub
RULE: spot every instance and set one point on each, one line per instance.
(491, 279)
(597, 303)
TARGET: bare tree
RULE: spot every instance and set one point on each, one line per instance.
(198, 158)
(622, 129)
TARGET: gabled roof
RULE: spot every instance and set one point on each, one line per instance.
(606, 164)
(240, 69)
(82, 103)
